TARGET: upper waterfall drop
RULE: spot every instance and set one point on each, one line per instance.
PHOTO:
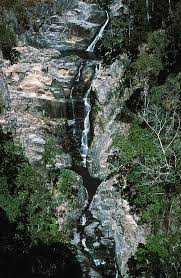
(91, 47)
(87, 105)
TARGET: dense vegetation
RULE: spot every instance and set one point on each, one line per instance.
(24, 195)
(29, 226)
(149, 152)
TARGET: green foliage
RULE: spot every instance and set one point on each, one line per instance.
(138, 142)
(104, 3)
(7, 36)
(51, 149)
(113, 38)
(167, 95)
(158, 42)
(8, 203)
(17, 3)
(24, 195)
(150, 152)
(148, 65)
(65, 183)
(159, 255)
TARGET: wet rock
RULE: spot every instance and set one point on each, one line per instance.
(90, 229)
(85, 80)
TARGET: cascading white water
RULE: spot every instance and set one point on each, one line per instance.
(79, 72)
(87, 106)
(170, 7)
(147, 10)
(73, 109)
(85, 133)
(91, 47)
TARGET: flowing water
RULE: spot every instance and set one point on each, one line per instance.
(87, 105)
(91, 47)
(99, 260)
(85, 133)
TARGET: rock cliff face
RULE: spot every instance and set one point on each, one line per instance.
(52, 69)
(116, 223)
(40, 83)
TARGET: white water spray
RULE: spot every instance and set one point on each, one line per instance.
(147, 10)
(83, 220)
(73, 109)
(77, 79)
(87, 106)
(85, 133)
(91, 47)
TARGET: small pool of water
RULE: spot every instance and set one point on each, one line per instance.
(86, 55)
(90, 183)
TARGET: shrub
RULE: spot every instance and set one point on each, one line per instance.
(148, 65)
(66, 180)
(25, 196)
(158, 42)
(7, 39)
(138, 142)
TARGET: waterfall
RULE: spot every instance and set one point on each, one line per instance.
(170, 7)
(79, 72)
(87, 106)
(73, 109)
(129, 30)
(147, 10)
(91, 47)
(85, 133)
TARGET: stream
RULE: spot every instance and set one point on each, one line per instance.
(96, 258)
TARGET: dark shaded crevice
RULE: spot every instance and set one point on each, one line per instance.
(89, 182)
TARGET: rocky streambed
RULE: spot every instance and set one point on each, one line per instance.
(44, 97)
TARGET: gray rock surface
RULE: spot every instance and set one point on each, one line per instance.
(109, 106)
(72, 30)
(38, 86)
(116, 223)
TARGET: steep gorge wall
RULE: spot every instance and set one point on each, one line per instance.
(37, 89)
